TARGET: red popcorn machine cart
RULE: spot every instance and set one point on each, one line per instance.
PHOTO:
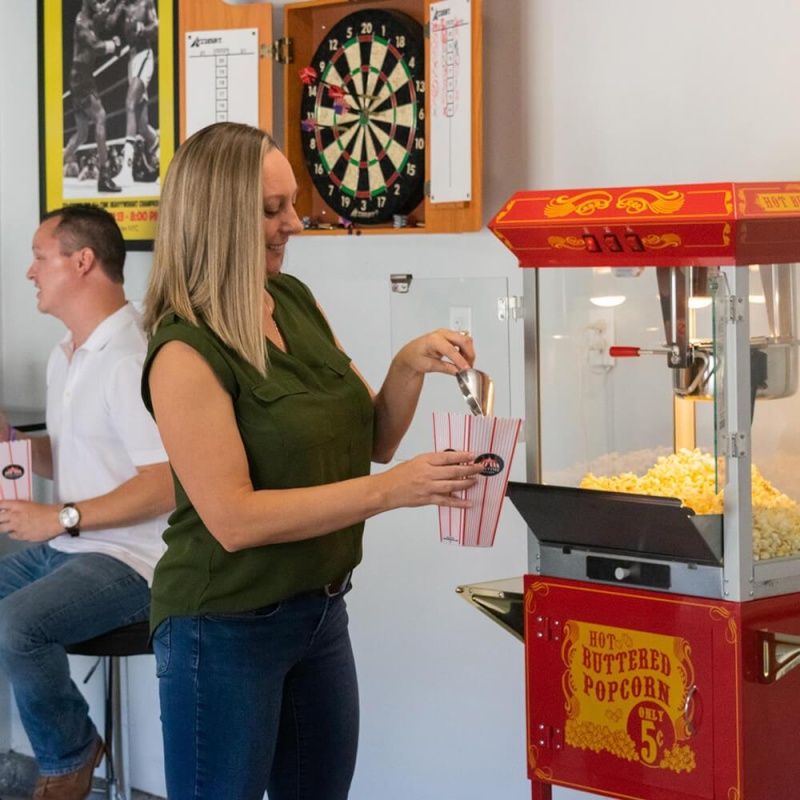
(661, 612)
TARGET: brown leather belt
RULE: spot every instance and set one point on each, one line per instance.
(338, 586)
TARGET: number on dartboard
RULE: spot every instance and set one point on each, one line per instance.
(363, 116)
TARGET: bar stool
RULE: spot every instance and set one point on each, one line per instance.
(129, 640)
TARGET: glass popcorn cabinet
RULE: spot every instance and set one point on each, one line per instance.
(662, 605)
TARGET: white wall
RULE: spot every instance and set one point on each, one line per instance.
(576, 94)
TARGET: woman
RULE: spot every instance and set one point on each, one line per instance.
(270, 432)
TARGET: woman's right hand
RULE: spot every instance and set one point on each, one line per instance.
(432, 479)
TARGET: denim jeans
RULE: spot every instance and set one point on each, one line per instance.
(50, 599)
(261, 701)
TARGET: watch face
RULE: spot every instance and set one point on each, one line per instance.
(69, 517)
(363, 116)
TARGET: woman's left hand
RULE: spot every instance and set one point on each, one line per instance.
(443, 350)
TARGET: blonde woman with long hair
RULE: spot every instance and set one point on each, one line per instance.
(270, 432)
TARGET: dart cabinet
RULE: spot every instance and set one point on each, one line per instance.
(358, 123)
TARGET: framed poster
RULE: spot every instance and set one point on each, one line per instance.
(107, 107)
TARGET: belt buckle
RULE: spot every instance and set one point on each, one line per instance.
(340, 584)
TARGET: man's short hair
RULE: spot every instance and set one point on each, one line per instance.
(86, 225)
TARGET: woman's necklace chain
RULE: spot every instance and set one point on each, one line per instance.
(270, 304)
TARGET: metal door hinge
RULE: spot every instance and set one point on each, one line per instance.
(549, 736)
(735, 306)
(426, 30)
(545, 628)
(281, 50)
(737, 445)
(509, 308)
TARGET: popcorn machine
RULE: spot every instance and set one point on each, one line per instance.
(661, 612)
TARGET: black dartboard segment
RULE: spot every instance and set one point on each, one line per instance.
(362, 116)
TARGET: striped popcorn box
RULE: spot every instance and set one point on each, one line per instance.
(493, 440)
(15, 470)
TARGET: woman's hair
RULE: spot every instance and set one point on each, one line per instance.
(209, 258)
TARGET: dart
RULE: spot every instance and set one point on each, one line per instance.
(336, 92)
(308, 75)
(310, 125)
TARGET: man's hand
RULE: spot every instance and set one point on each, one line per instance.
(29, 522)
(4, 428)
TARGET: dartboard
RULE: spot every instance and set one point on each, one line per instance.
(362, 116)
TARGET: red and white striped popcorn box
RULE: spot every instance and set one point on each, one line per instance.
(493, 440)
(16, 476)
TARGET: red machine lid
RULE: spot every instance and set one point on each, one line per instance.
(705, 224)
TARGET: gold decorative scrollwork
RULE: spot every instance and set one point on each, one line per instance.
(638, 200)
(566, 242)
(734, 793)
(728, 203)
(583, 204)
(504, 239)
(533, 756)
(719, 614)
(654, 242)
(534, 590)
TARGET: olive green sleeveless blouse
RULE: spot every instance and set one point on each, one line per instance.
(309, 422)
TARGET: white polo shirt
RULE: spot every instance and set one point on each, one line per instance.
(100, 432)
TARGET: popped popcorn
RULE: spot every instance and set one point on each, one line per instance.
(689, 475)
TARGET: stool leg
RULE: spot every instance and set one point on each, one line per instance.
(116, 735)
(122, 765)
(112, 690)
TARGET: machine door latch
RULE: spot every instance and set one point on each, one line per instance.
(546, 628)
(509, 308)
(549, 736)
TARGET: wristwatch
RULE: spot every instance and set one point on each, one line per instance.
(70, 518)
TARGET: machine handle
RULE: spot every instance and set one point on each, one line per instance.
(635, 352)
(780, 653)
(690, 728)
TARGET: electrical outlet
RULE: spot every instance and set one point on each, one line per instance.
(461, 319)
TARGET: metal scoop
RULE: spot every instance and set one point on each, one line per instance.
(478, 390)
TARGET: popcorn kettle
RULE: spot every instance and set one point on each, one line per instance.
(773, 357)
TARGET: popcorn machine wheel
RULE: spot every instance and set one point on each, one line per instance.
(660, 638)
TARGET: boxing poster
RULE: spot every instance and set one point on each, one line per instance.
(107, 107)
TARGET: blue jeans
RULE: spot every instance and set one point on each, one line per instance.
(50, 599)
(261, 701)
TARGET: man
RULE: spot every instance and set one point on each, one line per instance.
(94, 549)
(140, 33)
(87, 45)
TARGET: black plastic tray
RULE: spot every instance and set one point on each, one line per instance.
(633, 524)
